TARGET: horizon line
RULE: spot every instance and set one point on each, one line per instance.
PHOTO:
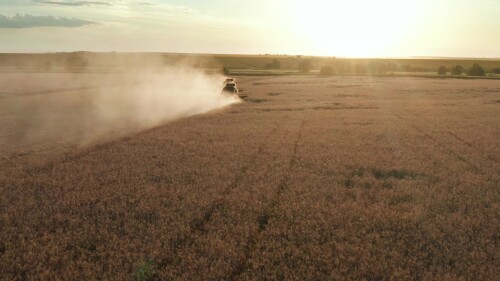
(248, 54)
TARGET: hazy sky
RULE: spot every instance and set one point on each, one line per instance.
(384, 28)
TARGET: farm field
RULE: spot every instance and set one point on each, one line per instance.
(338, 178)
(33, 104)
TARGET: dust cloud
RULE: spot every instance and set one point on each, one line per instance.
(150, 99)
(81, 108)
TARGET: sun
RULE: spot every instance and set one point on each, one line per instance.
(356, 28)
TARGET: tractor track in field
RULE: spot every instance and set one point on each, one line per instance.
(454, 136)
(474, 167)
(458, 138)
(198, 225)
(433, 139)
(488, 156)
(267, 213)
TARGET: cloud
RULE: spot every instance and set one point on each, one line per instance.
(29, 21)
(76, 3)
(147, 4)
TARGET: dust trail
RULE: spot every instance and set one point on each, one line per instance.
(68, 108)
(155, 98)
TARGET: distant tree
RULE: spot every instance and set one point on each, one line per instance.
(305, 66)
(496, 70)
(275, 64)
(328, 70)
(226, 71)
(457, 70)
(476, 70)
(442, 70)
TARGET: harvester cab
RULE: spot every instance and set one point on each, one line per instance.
(231, 88)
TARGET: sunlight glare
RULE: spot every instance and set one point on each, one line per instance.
(356, 28)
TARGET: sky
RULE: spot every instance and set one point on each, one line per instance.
(342, 28)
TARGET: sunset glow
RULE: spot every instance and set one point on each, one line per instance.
(358, 28)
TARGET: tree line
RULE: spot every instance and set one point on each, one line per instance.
(474, 70)
(333, 66)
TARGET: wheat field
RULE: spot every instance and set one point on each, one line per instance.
(312, 178)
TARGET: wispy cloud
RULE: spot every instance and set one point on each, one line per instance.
(77, 3)
(147, 4)
(30, 21)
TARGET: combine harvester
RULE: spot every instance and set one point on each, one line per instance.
(230, 88)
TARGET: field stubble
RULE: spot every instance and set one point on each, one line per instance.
(342, 178)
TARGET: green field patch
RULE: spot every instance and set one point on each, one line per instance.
(146, 271)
